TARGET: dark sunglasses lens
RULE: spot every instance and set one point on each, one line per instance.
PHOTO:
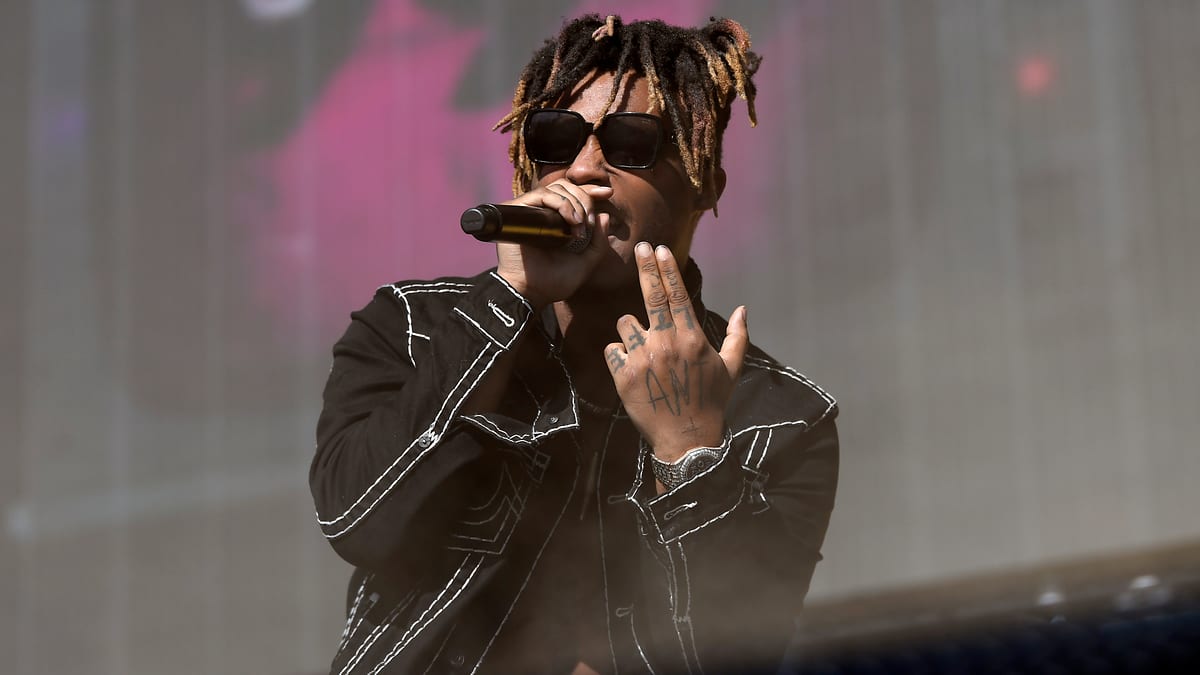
(629, 141)
(554, 137)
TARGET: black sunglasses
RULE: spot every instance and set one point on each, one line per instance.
(629, 140)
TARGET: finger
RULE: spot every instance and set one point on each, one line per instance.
(589, 194)
(598, 243)
(633, 336)
(570, 208)
(737, 341)
(615, 356)
(602, 192)
(583, 196)
(658, 308)
(586, 196)
(677, 295)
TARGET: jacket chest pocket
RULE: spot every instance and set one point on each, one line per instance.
(488, 524)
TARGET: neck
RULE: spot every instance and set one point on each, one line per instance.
(587, 325)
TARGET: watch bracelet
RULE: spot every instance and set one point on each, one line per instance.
(690, 465)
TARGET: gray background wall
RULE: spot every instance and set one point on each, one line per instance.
(974, 222)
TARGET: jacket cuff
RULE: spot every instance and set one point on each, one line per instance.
(496, 309)
(693, 504)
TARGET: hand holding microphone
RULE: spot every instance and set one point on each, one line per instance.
(553, 250)
(533, 225)
(560, 215)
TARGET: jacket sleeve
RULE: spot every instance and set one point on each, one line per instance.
(392, 463)
(729, 555)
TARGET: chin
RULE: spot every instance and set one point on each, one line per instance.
(613, 275)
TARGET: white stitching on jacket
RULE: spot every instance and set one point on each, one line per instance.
(402, 292)
(438, 653)
(414, 630)
(354, 609)
(710, 521)
(511, 508)
(512, 290)
(406, 450)
(795, 375)
(776, 368)
(757, 467)
(473, 322)
(348, 631)
(500, 483)
(601, 457)
(370, 640)
(491, 427)
(416, 459)
(502, 315)
(673, 586)
(678, 510)
(686, 619)
(753, 445)
(633, 631)
(532, 567)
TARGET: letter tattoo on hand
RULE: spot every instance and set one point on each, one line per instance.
(615, 360)
(652, 383)
(687, 315)
(663, 314)
(636, 339)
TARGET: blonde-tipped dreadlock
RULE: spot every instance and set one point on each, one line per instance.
(693, 76)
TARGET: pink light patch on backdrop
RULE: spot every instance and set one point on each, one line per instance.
(1035, 74)
(369, 186)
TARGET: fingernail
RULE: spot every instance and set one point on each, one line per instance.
(592, 218)
(662, 252)
(642, 249)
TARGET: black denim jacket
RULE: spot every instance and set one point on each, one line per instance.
(490, 542)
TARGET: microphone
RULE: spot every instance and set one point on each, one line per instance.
(532, 225)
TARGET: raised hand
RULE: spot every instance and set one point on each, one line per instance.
(673, 384)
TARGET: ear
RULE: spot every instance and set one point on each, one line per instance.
(707, 198)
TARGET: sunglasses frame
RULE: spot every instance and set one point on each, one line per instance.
(594, 131)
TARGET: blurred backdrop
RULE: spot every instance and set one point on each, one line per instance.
(974, 222)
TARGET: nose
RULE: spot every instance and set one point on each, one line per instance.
(589, 165)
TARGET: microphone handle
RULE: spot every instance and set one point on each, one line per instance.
(532, 225)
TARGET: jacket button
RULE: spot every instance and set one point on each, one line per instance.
(457, 661)
(553, 419)
(425, 440)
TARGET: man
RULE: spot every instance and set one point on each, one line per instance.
(568, 463)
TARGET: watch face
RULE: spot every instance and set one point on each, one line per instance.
(695, 463)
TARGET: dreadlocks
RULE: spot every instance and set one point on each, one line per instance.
(693, 75)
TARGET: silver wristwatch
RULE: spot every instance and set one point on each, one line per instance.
(692, 464)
